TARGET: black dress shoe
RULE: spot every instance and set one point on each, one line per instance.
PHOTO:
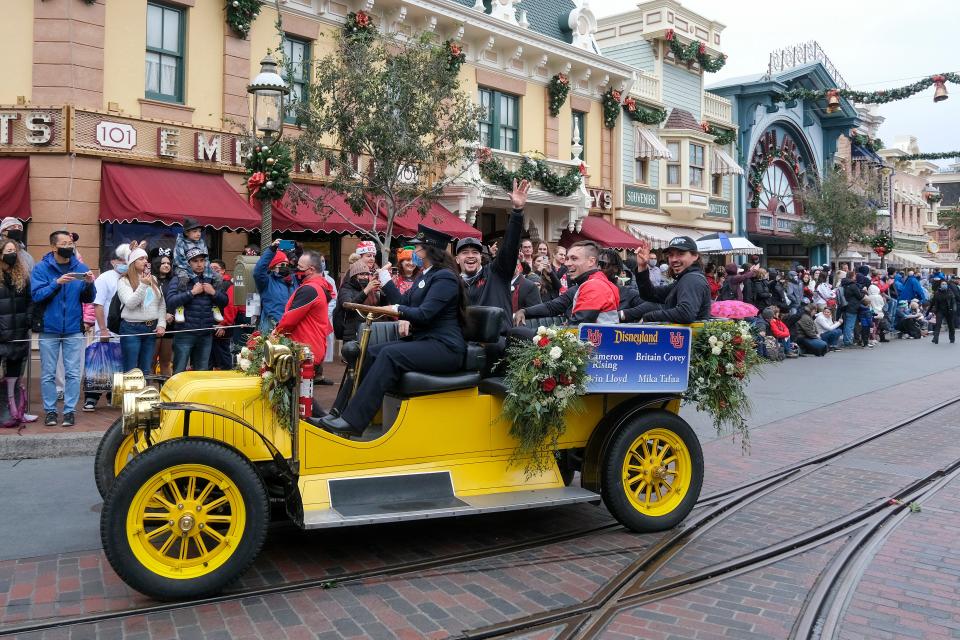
(339, 426)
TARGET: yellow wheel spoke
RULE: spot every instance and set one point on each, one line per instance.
(175, 491)
(645, 450)
(205, 493)
(191, 487)
(667, 461)
(213, 533)
(218, 519)
(165, 547)
(163, 502)
(156, 532)
(649, 490)
(219, 502)
(201, 546)
(156, 516)
(184, 547)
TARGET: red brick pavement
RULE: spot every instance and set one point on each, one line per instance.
(465, 596)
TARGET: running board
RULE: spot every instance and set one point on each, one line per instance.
(419, 509)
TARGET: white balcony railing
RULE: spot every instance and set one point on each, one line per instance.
(648, 86)
(717, 108)
(512, 161)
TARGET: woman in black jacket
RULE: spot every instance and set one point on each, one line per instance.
(162, 270)
(361, 287)
(945, 306)
(16, 309)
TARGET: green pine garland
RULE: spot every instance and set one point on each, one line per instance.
(559, 89)
(696, 51)
(873, 144)
(755, 179)
(721, 137)
(268, 167)
(947, 155)
(532, 169)
(640, 113)
(359, 26)
(611, 108)
(455, 55)
(872, 97)
(881, 243)
(241, 14)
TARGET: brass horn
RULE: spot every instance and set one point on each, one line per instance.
(281, 362)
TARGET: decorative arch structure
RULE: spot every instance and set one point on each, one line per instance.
(781, 164)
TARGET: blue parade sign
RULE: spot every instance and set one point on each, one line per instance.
(636, 358)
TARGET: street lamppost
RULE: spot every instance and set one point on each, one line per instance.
(887, 172)
(268, 90)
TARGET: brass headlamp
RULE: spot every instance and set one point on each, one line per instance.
(140, 404)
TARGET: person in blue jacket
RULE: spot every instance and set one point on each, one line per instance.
(198, 294)
(430, 325)
(911, 289)
(60, 284)
(273, 275)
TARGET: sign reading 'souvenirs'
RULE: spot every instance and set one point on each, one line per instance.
(32, 129)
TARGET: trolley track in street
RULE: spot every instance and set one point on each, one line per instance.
(623, 591)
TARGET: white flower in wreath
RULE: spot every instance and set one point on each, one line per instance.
(551, 333)
(536, 340)
(730, 368)
(718, 345)
(555, 353)
(541, 330)
(716, 351)
(712, 340)
(245, 353)
(244, 364)
(726, 337)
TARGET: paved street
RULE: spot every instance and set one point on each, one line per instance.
(51, 571)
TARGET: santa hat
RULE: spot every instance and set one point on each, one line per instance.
(364, 247)
(279, 258)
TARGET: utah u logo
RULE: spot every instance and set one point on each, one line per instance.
(676, 339)
(594, 337)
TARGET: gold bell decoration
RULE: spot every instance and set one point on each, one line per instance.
(940, 93)
(833, 101)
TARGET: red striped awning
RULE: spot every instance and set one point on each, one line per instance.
(153, 194)
(602, 232)
(323, 211)
(437, 217)
(15, 188)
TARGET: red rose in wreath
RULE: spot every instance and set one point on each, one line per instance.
(565, 379)
(544, 341)
(549, 385)
(255, 334)
(362, 19)
(537, 362)
(251, 344)
(737, 340)
(739, 355)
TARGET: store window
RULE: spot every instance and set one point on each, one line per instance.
(164, 62)
(296, 69)
(673, 165)
(500, 126)
(717, 186)
(696, 166)
(642, 171)
(579, 129)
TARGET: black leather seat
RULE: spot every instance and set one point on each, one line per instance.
(548, 321)
(481, 329)
(493, 386)
(379, 332)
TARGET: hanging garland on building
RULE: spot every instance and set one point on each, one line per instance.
(241, 14)
(611, 108)
(873, 144)
(559, 89)
(640, 113)
(882, 243)
(268, 171)
(455, 55)
(696, 51)
(877, 97)
(532, 169)
(929, 156)
(721, 137)
(359, 26)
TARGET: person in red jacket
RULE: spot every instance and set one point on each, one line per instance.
(305, 318)
(779, 330)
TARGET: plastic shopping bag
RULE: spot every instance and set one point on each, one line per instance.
(102, 360)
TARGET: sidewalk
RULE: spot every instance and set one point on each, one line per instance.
(37, 441)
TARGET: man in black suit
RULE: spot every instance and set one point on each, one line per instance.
(523, 292)
(430, 315)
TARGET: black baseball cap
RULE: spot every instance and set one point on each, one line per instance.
(470, 242)
(683, 243)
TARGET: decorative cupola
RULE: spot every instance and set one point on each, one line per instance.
(581, 23)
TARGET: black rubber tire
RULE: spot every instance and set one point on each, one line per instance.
(614, 496)
(103, 462)
(162, 456)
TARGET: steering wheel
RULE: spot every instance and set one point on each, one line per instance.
(365, 308)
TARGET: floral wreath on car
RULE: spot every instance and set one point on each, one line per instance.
(276, 385)
(532, 169)
(545, 377)
(722, 358)
(268, 171)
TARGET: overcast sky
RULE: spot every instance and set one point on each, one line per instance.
(875, 45)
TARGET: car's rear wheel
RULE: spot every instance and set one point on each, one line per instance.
(185, 518)
(652, 472)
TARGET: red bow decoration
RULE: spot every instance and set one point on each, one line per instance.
(669, 35)
(583, 169)
(879, 251)
(254, 183)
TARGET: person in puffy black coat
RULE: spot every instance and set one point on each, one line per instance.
(360, 287)
(16, 316)
(945, 306)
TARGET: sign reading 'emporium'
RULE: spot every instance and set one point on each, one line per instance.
(637, 358)
(640, 197)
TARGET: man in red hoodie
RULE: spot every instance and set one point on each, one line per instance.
(305, 318)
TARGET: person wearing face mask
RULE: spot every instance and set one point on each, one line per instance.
(362, 287)
(12, 228)
(305, 318)
(16, 307)
(273, 276)
(59, 285)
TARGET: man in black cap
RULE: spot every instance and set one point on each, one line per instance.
(490, 285)
(429, 314)
(683, 301)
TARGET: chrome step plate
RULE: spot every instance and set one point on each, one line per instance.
(489, 503)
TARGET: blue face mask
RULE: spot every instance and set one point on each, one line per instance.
(122, 268)
(416, 259)
(323, 266)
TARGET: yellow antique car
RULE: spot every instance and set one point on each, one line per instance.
(203, 463)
